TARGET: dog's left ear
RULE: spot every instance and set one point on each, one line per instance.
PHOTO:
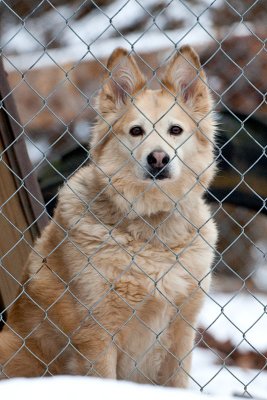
(185, 78)
(124, 79)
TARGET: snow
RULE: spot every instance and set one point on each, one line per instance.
(82, 130)
(259, 255)
(101, 49)
(241, 318)
(238, 317)
(95, 35)
(98, 33)
(214, 378)
(120, 14)
(37, 149)
(69, 388)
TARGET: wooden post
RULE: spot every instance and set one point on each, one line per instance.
(21, 206)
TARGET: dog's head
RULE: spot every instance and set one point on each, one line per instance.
(154, 141)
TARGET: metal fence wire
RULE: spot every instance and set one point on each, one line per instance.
(55, 54)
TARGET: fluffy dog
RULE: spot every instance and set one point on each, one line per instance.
(116, 280)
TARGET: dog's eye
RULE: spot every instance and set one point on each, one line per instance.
(136, 131)
(175, 130)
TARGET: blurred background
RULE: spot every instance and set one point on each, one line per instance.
(55, 54)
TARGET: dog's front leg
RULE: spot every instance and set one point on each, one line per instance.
(176, 366)
(97, 357)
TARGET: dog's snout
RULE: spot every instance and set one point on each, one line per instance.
(158, 167)
(158, 159)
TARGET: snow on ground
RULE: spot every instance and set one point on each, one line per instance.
(69, 388)
(37, 150)
(149, 42)
(240, 318)
(96, 34)
(217, 383)
(213, 378)
(259, 254)
(101, 49)
(102, 23)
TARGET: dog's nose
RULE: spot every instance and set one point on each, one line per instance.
(158, 159)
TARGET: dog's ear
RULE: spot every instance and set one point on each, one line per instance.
(124, 77)
(185, 79)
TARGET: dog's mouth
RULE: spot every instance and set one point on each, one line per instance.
(158, 174)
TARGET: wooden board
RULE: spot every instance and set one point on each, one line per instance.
(14, 235)
(22, 214)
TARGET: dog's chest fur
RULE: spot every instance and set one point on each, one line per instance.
(132, 266)
(159, 256)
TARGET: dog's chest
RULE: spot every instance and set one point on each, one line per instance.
(139, 273)
(131, 273)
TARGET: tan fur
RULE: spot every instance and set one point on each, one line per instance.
(116, 280)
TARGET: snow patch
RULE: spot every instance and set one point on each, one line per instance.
(238, 317)
(69, 388)
(229, 381)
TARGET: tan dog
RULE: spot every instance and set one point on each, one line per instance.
(115, 283)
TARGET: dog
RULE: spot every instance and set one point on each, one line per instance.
(115, 282)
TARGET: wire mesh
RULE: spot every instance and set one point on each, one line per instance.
(55, 54)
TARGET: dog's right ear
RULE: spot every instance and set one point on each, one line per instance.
(124, 78)
(184, 77)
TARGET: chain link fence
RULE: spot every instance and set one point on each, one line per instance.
(55, 53)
